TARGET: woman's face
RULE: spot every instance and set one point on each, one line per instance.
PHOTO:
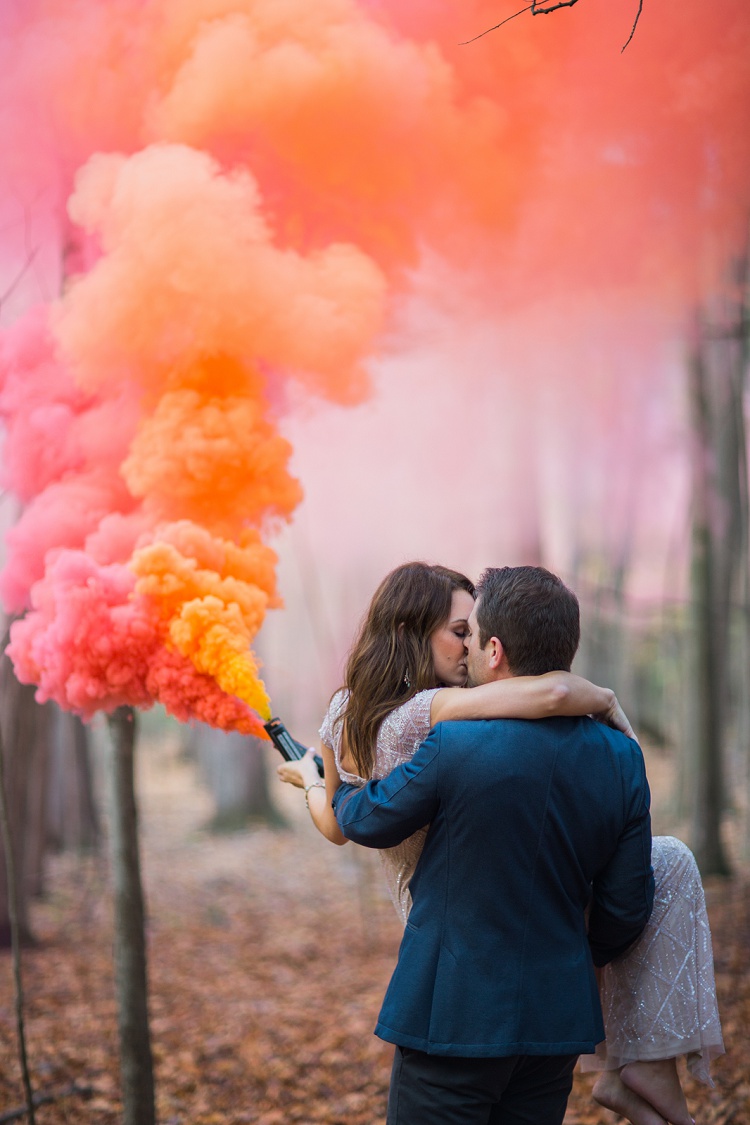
(448, 642)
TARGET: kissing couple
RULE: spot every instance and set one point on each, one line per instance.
(508, 799)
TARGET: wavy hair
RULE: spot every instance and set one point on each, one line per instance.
(391, 659)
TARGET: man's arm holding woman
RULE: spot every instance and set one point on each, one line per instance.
(623, 892)
(521, 697)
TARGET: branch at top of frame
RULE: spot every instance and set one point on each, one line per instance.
(540, 8)
(528, 8)
(635, 25)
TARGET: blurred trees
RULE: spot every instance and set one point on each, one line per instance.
(233, 767)
(27, 740)
(72, 815)
(25, 727)
(682, 670)
(718, 730)
(49, 782)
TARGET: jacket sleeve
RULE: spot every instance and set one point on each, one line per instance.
(623, 892)
(383, 813)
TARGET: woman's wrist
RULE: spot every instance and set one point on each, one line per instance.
(313, 785)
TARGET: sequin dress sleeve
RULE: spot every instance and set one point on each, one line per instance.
(399, 737)
(659, 999)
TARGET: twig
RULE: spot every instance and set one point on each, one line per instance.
(635, 25)
(45, 1099)
(538, 8)
(466, 42)
(537, 11)
(15, 935)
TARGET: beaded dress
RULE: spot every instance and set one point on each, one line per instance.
(399, 738)
(659, 999)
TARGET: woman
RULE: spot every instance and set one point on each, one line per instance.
(405, 673)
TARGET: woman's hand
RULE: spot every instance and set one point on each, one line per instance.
(614, 716)
(300, 773)
(303, 774)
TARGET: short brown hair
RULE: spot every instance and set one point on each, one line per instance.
(533, 614)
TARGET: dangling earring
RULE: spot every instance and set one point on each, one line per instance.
(407, 681)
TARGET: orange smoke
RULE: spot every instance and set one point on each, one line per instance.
(254, 184)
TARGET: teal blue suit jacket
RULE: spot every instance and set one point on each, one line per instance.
(531, 823)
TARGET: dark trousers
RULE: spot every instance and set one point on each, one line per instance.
(447, 1090)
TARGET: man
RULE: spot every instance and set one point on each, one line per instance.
(494, 994)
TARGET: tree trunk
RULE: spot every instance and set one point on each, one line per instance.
(709, 633)
(130, 940)
(742, 595)
(707, 718)
(24, 729)
(603, 654)
(233, 767)
(11, 881)
(72, 818)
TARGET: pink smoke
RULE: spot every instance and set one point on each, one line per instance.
(255, 186)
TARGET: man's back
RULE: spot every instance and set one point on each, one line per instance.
(524, 818)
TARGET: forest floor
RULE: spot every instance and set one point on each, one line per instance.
(269, 952)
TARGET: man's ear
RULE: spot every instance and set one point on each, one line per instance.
(496, 654)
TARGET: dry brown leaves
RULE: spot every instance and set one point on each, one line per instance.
(269, 953)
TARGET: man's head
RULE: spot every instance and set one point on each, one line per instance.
(525, 622)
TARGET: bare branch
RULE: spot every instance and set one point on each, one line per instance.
(537, 10)
(635, 25)
(529, 8)
(542, 8)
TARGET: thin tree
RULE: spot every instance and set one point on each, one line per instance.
(716, 382)
(130, 941)
(15, 930)
(704, 776)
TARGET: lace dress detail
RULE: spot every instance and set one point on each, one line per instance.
(659, 999)
(399, 738)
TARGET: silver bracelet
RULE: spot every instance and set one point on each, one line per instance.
(313, 785)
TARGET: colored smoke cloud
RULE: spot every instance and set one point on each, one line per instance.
(252, 186)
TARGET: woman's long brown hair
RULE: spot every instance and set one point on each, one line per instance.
(391, 659)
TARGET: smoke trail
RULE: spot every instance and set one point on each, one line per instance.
(141, 564)
(256, 182)
(188, 298)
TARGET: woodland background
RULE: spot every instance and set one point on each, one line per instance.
(269, 954)
(535, 350)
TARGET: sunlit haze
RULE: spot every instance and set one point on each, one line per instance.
(324, 280)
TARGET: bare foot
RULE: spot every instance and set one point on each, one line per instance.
(658, 1083)
(611, 1092)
